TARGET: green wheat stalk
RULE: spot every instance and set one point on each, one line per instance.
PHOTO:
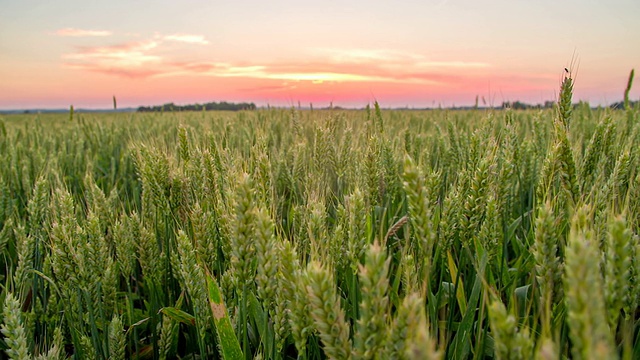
(328, 317)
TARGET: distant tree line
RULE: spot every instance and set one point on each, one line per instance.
(620, 104)
(517, 105)
(224, 106)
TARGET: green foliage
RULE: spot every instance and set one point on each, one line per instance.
(13, 329)
(281, 234)
(628, 89)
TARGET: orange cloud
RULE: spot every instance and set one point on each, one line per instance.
(140, 60)
(80, 32)
(331, 65)
(132, 73)
(187, 38)
(391, 57)
(267, 72)
(131, 59)
(315, 72)
(269, 88)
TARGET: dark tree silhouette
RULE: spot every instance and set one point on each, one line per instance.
(225, 106)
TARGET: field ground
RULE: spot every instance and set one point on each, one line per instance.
(321, 234)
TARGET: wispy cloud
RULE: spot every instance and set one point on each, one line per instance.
(316, 72)
(129, 59)
(452, 64)
(147, 59)
(81, 32)
(131, 73)
(388, 57)
(187, 38)
(273, 72)
(365, 55)
(270, 88)
(134, 59)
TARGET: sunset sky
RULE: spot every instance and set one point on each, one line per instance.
(401, 53)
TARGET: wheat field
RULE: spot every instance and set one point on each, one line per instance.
(312, 234)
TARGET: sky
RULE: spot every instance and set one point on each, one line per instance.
(54, 54)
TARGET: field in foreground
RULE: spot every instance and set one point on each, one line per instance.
(327, 234)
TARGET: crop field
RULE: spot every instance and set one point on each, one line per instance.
(313, 234)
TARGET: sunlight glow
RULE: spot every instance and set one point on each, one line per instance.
(80, 32)
(186, 38)
(422, 53)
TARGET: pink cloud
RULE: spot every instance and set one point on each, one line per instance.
(316, 72)
(130, 47)
(131, 60)
(269, 88)
(199, 67)
(81, 32)
(138, 60)
(131, 73)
